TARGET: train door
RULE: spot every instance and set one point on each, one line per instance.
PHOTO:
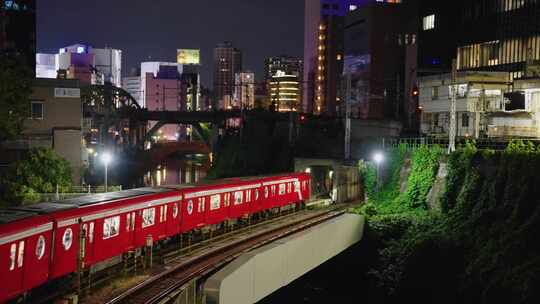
(130, 229)
(15, 257)
(87, 251)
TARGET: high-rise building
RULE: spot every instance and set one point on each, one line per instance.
(285, 91)
(164, 90)
(190, 59)
(89, 65)
(376, 43)
(227, 62)
(244, 90)
(323, 53)
(18, 28)
(286, 64)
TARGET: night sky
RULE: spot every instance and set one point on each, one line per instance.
(153, 30)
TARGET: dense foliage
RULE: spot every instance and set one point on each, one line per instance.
(482, 248)
(15, 90)
(40, 172)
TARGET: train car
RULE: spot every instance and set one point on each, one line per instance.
(111, 224)
(25, 251)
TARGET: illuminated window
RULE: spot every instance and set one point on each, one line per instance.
(238, 197)
(353, 7)
(429, 22)
(434, 93)
(339, 57)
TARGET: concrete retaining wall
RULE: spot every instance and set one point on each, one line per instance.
(257, 274)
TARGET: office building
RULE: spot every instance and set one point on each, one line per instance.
(132, 85)
(376, 45)
(227, 62)
(286, 64)
(244, 91)
(285, 91)
(191, 62)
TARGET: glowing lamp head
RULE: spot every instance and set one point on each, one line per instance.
(378, 157)
(106, 158)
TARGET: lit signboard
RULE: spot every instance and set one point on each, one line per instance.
(186, 56)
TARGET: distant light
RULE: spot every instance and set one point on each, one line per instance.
(353, 7)
(106, 158)
(308, 170)
(80, 49)
(378, 157)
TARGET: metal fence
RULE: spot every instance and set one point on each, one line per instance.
(415, 142)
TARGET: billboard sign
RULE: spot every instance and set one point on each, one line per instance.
(187, 56)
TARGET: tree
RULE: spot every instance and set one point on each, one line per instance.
(15, 90)
(40, 172)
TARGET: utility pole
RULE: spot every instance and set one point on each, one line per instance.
(348, 117)
(453, 124)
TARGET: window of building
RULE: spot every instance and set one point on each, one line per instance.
(36, 110)
(149, 216)
(353, 7)
(434, 93)
(111, 227)
(428, 23)
(465, 120)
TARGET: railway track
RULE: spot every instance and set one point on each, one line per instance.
(158, 287)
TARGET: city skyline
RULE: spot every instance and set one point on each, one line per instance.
(280, 33)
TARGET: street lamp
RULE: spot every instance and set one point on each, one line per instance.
(378, 158)
(106, 158)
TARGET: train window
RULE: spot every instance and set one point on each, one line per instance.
(238, 197)
(248, 196)
(149, 217)
(128, 221)
(256, 194)
(201, 203)
(282, 189)
(111, 227)
(12, 256)
(162, 213)
(175, 210)
(296, 186)
(190, 207)
(20, 258)
(215, 201)
(67, 238)
(91, 232)
(227, 199)
(40, 247)
(265, 192)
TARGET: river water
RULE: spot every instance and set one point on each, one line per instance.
(175, 171)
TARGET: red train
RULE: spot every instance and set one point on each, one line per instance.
(43, 242)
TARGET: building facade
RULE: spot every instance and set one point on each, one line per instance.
(89, 65)
(55, 120)
(18, 29)
(375, 55)
(132, 85)
(483, 109)
(285, 92)
(244, 90)
(323, 53)
(227, 62)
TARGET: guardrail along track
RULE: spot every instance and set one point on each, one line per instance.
(160, 286)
